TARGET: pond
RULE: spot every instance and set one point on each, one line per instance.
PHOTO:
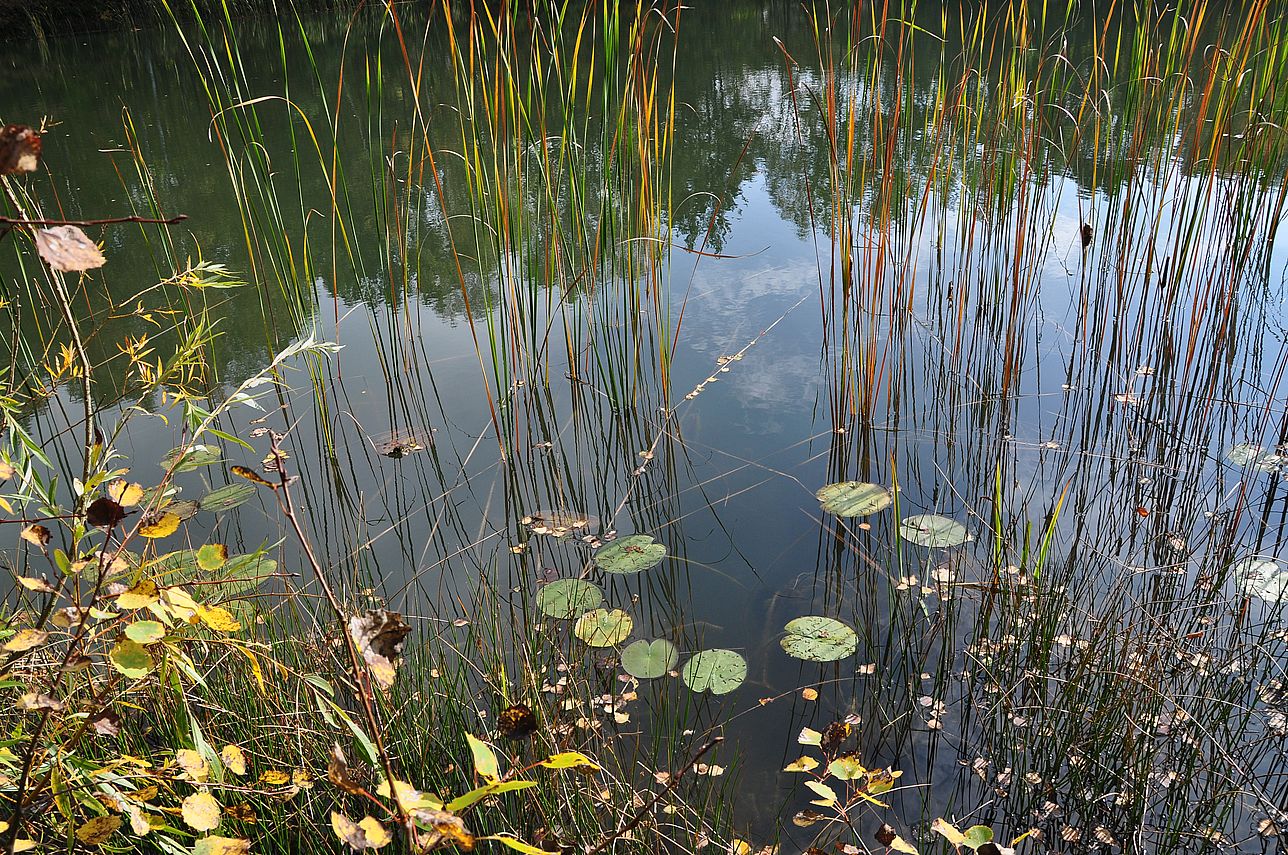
(595, 274)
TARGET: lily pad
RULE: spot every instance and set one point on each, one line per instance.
(933, 530)
(819, 639)
(854, 498)
(603, 627)
(630, 554)
(187, 459)
(716, 671)
(226, 498)
(648, 659)
(556, 523)
(566, 599)
(1262, 577)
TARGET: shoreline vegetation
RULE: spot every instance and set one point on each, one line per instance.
(489, 626)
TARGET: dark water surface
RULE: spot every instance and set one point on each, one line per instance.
(1013, 372)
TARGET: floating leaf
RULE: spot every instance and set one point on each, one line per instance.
(96, 831)
(145, 631)
(566, 599)
(854, 498)
(226, 498)
(379, 636)
(716, 671)
(131, 659)
(67, 249)
(630, 554)
(201, 812)
(933, 530)
(215, 845)
(19, 149)
(1262, 577)
(188, 459)
(648, 659)
(603, 627)
(819, 639)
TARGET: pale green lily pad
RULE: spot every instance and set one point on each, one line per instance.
(716, 671)
(630, 554)
(648, 659)
(565, 599)
(854, 498)
(933, 530)
(1262, 577)
(227, 498)
(819, 639)
(603, 627)
(194, 457)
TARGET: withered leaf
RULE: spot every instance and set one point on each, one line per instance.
(337, 771)
(105, 723)
(366, 834)
(444, 829)
(252, 476)
(104, 513)
(37, 534)
(67, 249)
(19, 149)
(379, 635)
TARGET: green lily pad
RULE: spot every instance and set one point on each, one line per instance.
(933, 530)
(716, 671)
(227, 498)
(565, 599)
(630, 554)
(648, 659)
(1262, 577)
(854, 498)
(819, 639)
(187, 459)
(603, 627)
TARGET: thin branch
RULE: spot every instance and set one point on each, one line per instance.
(19, 221)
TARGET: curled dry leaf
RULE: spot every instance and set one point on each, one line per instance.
(379, 635)
(105, 723)
(216, 845)
(19, 149)
(365, 834)
(337, 771)
(443, 829)
(67, 249)
(104, 513)
(37, 535)
(37, 701)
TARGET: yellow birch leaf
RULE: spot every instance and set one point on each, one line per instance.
(142, 593)
(159, 525)
(234, 759)
(25, 640)
(96, 831)
(218, 618)
(201, 812)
